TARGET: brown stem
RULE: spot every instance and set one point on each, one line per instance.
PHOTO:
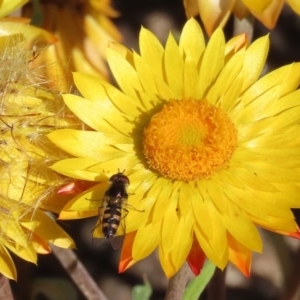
(5, 290)
(245, 25)
(216, 288)
(78, 273)
(178, 282)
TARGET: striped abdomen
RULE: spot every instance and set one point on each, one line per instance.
(111, 219)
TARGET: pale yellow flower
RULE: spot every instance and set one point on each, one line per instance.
(83, 29)
(28, 111)
(8, 6)
(216, 13)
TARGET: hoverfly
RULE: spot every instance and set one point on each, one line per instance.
(114, 200)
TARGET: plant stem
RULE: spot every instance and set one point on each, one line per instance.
(178, 282)
(78, 273)
(5, 290)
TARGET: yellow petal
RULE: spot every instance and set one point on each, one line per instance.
(267, 90)
(234, 45)
(160, 192)
(190, 79)
(165, 92)
(168, 237)
(289, 190)
(239, 255)
(14, 231)
(270, 14)
(166, 263)
(146, 77)
(174, 71)
(34, 35)
(124, 73)
(7, 267)
(27, 253)
(55, 70)
(257, 6)
(214, 13)
(82, 108)
(90, 88)
(250, 179)
(242, 229)
(174, 248)
(89, 200)
(204, 244)
(277, 224)
(192, 41)
(210, 225)
(184, 206)
(124, 162)
(273, 173)
(287, 102)
(183, 240)
(82, 64)
(240, 10)
(226, 90)
(146, 241)
(142, 195)
(212, 62)
(216, 193)
(70, 215)
(255, 59)
(99, 91)
(8, 6)
(89, 144)
(257, 208)
(78, 168)
(152, 51)
(40, 245)
(295, 5)
(268, 126)
(48, 229)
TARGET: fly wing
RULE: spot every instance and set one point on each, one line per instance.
(116, 241)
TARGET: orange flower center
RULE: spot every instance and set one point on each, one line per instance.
(189, 140)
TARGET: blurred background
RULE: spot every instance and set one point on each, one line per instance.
(274, 274)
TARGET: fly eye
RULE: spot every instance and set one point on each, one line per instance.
(114, 178)
(124, 179)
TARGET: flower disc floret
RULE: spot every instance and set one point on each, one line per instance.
(189, 140)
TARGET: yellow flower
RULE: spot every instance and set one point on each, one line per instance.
(8, 6)
(83, 29)
(211, 151)
(216, 13)
(27, 186)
